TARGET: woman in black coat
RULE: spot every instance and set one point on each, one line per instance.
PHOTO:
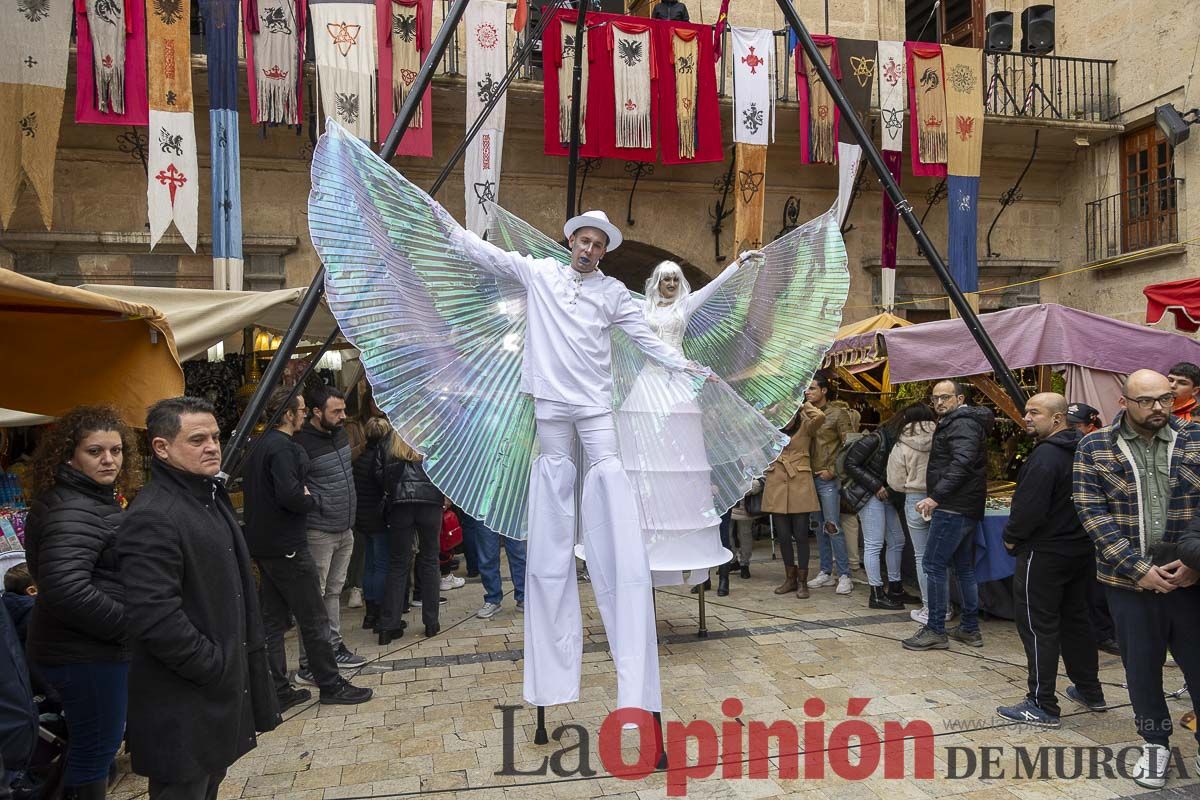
(77, 634)
(414, 511)
(370, 519)
(867, 492)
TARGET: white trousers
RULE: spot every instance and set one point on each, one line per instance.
(616, 560)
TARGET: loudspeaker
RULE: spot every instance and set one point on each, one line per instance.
(999, 25)
(1037, 29)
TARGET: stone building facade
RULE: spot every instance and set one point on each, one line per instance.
(100, 232)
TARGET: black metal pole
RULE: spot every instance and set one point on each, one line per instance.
(316, 289)
(234, 468)
(576, 93)
(513, 68)
(1004, 375)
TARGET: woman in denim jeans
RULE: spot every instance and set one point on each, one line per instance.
(831, 543)
(906, 474)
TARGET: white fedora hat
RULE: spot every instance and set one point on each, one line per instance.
(597, 220)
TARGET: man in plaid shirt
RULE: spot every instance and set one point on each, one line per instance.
(1137, 487)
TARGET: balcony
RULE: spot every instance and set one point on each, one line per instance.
(1145, 219)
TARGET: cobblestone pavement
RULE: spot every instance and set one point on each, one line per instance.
(433, 727)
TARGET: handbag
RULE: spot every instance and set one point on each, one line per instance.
(753, 502)
(452, 534)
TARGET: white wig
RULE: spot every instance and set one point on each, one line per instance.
(666, 268)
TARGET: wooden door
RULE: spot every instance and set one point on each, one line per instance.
(1149, 204)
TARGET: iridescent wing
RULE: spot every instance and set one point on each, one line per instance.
(513, 234)
(767, 328)
(441, 339)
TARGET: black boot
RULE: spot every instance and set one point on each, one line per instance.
(723, 580)
(707, 586)
(897, 594)
(745, 572)
(386, 636)
(371, 617)
(96, 790)
(879, 599)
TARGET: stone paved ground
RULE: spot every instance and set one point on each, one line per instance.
(433, 727)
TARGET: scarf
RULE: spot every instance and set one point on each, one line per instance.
(344, 34)
(32, 86)
(753, 92)
(964, 109)
(221, 35)
(565, 67)
(927, 108)
(405, 42)
(486, 64)
(685, 54)
(274, 59)
(750, 190)
(819, 117)
(110, 59)
(172, 170)
(632, 72)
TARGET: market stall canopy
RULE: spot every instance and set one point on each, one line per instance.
(856, 347)
(200, 318)
(1181, 298)
(1030, 336)
(65, 346)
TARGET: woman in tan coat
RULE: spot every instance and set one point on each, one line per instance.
(789, 495)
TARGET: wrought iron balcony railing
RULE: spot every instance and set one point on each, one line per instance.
(1049, 87)
(1136, 219)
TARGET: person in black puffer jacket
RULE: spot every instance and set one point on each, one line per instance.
(867, 492)
(77, 637)
(370, 519)
(956, 480)
(414, 509)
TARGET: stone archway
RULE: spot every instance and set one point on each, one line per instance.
(633, 261)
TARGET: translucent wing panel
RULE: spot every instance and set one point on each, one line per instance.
(509, 232)
(441, 340)
(766, 330)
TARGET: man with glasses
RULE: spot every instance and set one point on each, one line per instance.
(1137, 487)
(956, 480)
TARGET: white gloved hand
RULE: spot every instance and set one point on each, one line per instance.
(750, 255)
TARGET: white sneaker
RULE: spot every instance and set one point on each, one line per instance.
(822, 579)
(920, 615)
(488, 611)
(356, 600)
(845, 585)
(1150, 771)
(451, 582)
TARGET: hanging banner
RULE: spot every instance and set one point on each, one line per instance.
(633, 69)
(819, 117)
(344, 47)
(221, 37)
(893, 97)
(685, 51)
(404, 38)
(33, 77)
(927, 108)
(964, 109)
(689, 123)
(172, 171)
(566, 65)
(403, 31)
(893, 94)
(750, 191)
(753, 93)
(486, 65)
(856, 60)
(110, 61)
(275, 32)
(961, 202)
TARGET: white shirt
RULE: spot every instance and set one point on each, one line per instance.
(568, 344)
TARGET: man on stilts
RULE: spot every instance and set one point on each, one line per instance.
(567, 369)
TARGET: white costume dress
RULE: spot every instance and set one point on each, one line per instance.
(483, 358)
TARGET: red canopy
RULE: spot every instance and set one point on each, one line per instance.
(1181, 298)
